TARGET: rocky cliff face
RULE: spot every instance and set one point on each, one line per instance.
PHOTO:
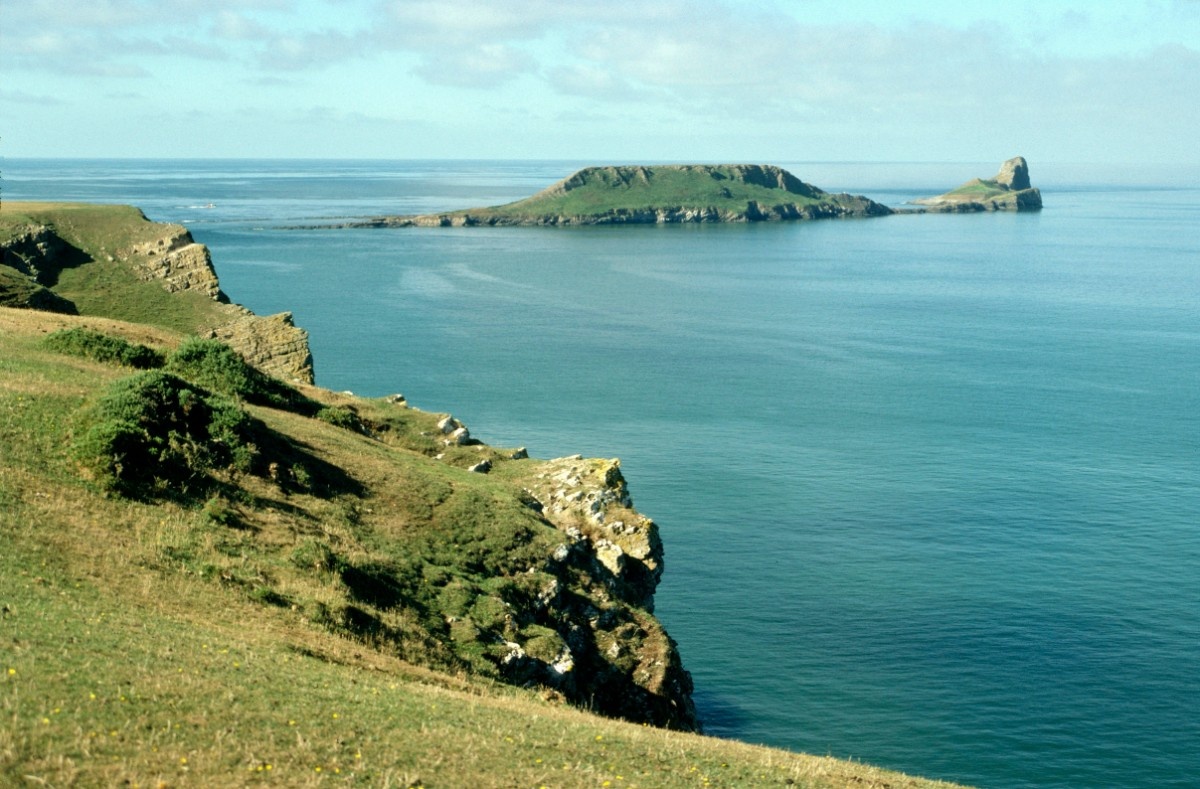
(177, 262)
(586, 629)
(31, 261)
(1014, 174)
(273, 344)
(848, 206)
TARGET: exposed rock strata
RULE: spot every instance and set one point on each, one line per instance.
(272, 343)
(31, 261)
(582, 621)
(177, 262)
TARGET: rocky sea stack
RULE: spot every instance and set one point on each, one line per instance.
(1009, 190)
(660, 194)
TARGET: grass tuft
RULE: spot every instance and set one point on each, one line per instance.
(215, 366)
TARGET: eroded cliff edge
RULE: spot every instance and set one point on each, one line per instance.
(369, 518)
(70, 258)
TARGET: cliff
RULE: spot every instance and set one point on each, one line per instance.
(1009, 190)
(88, 259)
(660, 194)
(369, 519)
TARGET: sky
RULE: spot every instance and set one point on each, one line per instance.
(613, 81)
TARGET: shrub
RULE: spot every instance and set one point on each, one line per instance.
(340, 416)
(215, 366)
(155, 434)
(103, 348)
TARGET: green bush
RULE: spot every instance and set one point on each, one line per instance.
(217, 367)
(154, 434)
(104, 348)
(340, 416)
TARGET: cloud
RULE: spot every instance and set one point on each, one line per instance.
(311, 50)
(482, 66)
(769, 68)
(22, 97)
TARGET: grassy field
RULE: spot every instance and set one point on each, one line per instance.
(979, 189)
(641, 188)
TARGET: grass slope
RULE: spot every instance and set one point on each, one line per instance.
(179, 641)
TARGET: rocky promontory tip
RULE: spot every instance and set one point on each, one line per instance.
(1009, 190)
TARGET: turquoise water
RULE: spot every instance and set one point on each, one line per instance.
(928, 484)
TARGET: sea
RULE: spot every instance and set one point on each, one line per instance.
(929, 485)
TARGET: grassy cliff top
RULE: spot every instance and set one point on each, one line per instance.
(241, 637)
(596, 190)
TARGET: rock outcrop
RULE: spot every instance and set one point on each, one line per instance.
(272, 343)
(30, 263)
(581, 620)
(1009, 190)
(177, 262)
(589, 501)
(617, 656)
(1014, 174)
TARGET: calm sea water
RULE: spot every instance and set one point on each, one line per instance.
(928, 484)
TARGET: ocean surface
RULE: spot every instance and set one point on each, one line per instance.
(929, 485)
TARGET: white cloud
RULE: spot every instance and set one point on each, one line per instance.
(822, 69)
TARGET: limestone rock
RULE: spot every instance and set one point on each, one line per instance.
(177, 262)
(589, 497)
(1014, 174)
(40, 253)
(273, 344)
(598, 600)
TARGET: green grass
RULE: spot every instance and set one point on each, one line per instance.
(279, 631)
(100, 347)
(608, 189)
(978, 188)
